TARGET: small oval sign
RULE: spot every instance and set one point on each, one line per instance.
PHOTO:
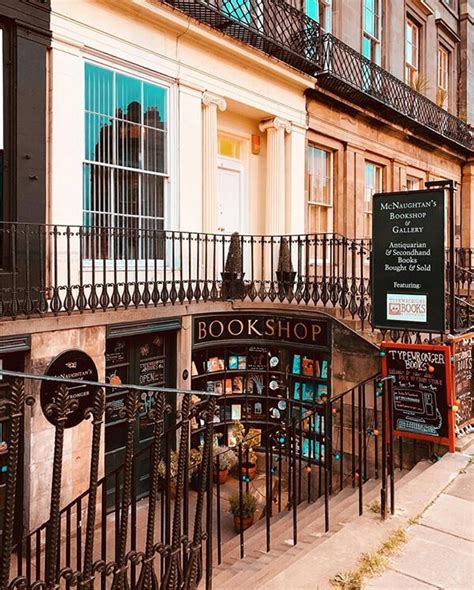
(72, 364)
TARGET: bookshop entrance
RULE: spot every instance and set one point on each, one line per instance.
(268, 370)
(145, 359)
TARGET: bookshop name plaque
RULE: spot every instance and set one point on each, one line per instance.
(252, 327)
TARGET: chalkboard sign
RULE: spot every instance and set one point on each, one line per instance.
(72, 364)
(463, 380)
(152, 372)
(116, 353)
(421, 390)
(408, 281)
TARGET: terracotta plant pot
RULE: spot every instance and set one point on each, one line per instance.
(223, 475)
(248, 470)
(242, 524)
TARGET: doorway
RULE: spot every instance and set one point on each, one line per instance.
(230, 172)
(146, 359)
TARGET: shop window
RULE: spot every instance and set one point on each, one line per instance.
(126, 165)
(264, 383)
(320, 181)
(321, 12)
(373, 184)
(412, 54)
(442, 93)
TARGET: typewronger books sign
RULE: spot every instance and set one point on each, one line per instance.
(408, 265)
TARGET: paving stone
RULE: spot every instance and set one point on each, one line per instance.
(452, 515)
(437, 558)
(463, 486)
(392, 580)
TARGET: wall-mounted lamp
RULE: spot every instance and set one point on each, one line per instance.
(255, 145)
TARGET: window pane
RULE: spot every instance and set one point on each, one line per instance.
(99, 90)
(366, 47)
(154, 150)
(312, 9)
(152, 197)
(129, 144)
(99, 138)
(128, 98)
(155, 106)
(369, 17)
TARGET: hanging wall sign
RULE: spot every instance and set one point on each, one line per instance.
(421, 391)
(408, 260)
(260, 327)
(73, 364)
(463, 380)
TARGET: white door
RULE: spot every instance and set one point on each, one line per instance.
(229, 214)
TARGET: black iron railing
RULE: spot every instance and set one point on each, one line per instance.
(347, 72)
(273, 26)
(174, 537)
(286, 33)
(64, 269)
(51, 269)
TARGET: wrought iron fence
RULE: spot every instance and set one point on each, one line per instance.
(64, 269)
(273, 26)
(346, 71)
(173, 538)
(52, 269)
(282, 31)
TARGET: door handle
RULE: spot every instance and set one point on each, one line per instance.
(221, 229)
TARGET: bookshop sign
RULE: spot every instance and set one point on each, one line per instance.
(260, 327)
(408, 282)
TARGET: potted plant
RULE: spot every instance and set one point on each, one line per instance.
(285, 273)
(243, 511)
(232, 277)
(195, 459)
(226, 458)
(173, 471)
(248, 467)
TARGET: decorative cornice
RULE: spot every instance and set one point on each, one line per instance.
(209, 99)
(275, 123)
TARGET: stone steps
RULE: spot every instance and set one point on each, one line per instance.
(259, 566)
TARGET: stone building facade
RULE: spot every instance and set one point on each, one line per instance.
(160, 118)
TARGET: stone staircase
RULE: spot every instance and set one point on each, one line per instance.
(258, 567)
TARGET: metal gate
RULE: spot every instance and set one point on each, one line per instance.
(170, 539)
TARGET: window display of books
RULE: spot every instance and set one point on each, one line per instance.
(266, 384)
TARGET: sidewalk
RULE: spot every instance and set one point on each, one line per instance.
(440, 549)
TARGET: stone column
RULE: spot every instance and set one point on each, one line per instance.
(466, 211)
(275, 202)
(211, 103)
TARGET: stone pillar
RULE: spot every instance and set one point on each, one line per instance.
(275, 201)
(295, 179)
(211, 103)
(467, 204)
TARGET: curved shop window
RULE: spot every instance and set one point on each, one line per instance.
(269, 371)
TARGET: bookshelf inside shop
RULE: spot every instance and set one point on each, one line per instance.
(263, 386)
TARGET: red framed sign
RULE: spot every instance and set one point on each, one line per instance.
(463, 380)
(421, 393)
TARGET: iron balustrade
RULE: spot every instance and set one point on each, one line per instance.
(288, 34)
(174, 538)
(53, 269)
(347, 72)
(272, 26)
